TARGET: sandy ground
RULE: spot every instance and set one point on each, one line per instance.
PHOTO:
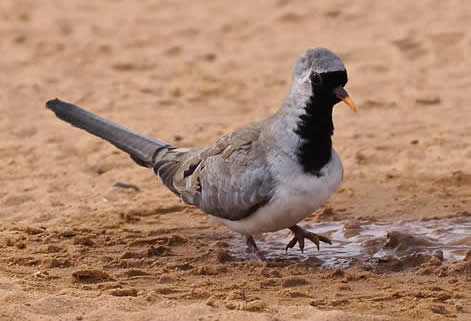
(73, 246)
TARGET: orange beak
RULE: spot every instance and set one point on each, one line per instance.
(342, 94)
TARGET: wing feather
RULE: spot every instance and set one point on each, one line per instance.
(230, 180)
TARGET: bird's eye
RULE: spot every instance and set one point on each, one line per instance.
(316, 79)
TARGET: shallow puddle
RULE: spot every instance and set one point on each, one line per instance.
(371, 243)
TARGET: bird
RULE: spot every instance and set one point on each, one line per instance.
(265, 177)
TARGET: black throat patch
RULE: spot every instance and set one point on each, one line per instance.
(316, 127)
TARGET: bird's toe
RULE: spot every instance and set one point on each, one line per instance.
(300, 234)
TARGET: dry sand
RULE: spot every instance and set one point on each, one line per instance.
(75, 247)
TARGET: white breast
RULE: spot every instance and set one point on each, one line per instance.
(297, 196)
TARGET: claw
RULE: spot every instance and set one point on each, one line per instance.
(314, 239)
(324, 239)
(300, 234)
(291, 244)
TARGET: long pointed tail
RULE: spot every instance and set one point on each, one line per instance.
(142, 149)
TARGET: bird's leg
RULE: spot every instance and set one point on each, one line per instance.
(252, 247)
(300, 234)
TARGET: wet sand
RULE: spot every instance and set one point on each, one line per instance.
(76, 246)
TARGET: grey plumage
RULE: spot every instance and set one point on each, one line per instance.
(251, 180)
(141, 148)
(231, 190)
(320, 60)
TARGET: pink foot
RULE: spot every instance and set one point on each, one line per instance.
(253, 248)
(300, 234)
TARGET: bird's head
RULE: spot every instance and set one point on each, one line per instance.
(320, 72)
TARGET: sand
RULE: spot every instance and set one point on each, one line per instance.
(74, 246)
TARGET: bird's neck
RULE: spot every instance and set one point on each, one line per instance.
(315, 128)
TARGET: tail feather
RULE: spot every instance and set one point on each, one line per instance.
(142, 149)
